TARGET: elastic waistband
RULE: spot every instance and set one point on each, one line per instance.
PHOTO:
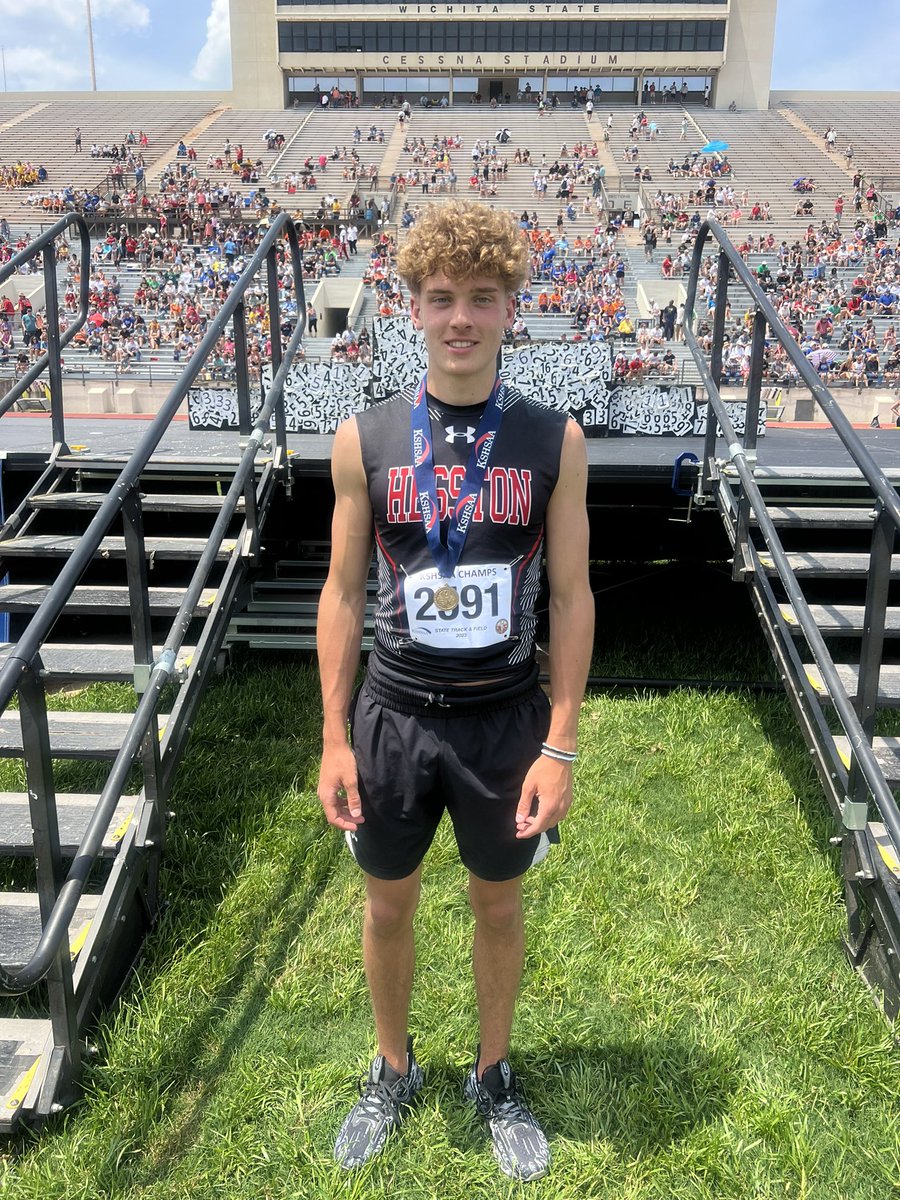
(419, 702)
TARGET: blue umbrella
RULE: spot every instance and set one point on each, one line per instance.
(714, 148)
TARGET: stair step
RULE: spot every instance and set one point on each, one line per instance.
(844, 619)
(848, 673)
(23, 1046)
(887, 753)
(290, 606)
(185, 466)
(20, 926)
(150, 502)
(831, 564)
(796, 474)
(72, 734)
(283, 641)
(303, 583)
(801, 517)
(56, 545)
(91, 601)
(73, 809)
(890, 853)
(87, 661)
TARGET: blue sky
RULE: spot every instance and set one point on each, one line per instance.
(835, 46)
(182, 44)
(138, 44)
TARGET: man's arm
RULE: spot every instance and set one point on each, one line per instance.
(549, 781)
(339, 627)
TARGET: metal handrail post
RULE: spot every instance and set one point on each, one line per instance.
(241, 370)
(138, 588)
(751, 428)
(276, 355)
(878, 581)
(755, 381)
(245, 417)
(715, 366)
(48, 858)
(54, 366)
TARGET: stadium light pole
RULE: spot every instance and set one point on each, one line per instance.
(90, 25)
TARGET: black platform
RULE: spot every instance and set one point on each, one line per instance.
(25, 443)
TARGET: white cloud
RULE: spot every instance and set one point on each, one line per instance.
(213, 64)
(72, 14)
(36, 69)
(50, 13)
(125, 14)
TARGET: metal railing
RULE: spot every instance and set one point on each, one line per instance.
(865, 777)
(22, 671)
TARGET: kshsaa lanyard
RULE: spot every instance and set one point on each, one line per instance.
(446, 556)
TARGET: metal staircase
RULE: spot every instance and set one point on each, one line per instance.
(815, 547)
(126, 571)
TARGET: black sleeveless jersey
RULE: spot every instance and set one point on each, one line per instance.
(489, 634)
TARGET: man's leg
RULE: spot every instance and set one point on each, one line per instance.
(389, 956)
(498, 954)
(394, 1078)
(518, 1142)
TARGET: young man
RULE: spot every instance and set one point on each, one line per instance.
(463, 486)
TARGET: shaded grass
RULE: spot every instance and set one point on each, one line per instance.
(688, 1026)
(676, 620)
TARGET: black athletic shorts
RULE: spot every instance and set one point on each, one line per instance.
(418, 754)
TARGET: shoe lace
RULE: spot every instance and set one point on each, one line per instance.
(376, 1097)
(507, 1103)
(510, 1104)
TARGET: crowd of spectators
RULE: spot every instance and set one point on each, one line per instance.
(830, 284)
(21, 175)
(201, 234)
(180, 290)
(578, 267)
(837, 291)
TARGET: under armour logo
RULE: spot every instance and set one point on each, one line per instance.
(467, 434)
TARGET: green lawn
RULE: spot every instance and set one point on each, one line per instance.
(688, 1026)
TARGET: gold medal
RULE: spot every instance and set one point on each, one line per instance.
(446, 597)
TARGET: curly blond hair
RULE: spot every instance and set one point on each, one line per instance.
(462, 238)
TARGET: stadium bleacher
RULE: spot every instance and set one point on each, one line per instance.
(371, 153)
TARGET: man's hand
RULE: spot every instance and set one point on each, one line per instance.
(339, 790)
(545, 798)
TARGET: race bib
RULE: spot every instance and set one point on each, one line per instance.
(481, 618)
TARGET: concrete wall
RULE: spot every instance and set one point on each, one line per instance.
(256, 67)
(30, 286)
(776, 98)
(157, 97)
(660, 290)
(335, 293)
(256, 77)
(750, 39)
(97, 396)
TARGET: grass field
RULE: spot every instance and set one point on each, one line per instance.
(688, 1027)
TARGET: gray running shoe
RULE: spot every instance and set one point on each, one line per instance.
(519, 1144)
(383, 1096)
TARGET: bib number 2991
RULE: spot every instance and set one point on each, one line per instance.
(480, 618)
(473, 601)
